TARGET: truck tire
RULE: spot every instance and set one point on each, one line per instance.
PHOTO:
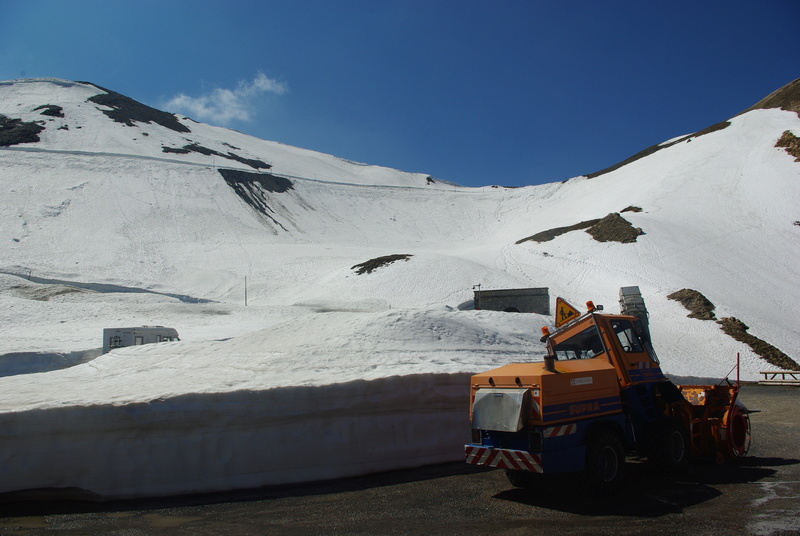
(605, 463)
(671, 449)
(521, 479)
(739, 430)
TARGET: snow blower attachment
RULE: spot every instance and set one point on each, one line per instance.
(720, 425)
(599, 395)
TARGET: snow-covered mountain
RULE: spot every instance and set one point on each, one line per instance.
(99, 189)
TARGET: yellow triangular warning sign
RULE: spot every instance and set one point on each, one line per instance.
(565, 312)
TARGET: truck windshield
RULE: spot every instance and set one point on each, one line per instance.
(584, 345)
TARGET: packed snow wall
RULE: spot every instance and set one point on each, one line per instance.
(243, 439)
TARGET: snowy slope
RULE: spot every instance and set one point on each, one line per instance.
(99, 202)
(85, 128)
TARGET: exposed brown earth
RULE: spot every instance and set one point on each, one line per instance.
(701, 308)
(612, 228)
(698, 305)
(738, 330)
(791, 143)
(373, 264)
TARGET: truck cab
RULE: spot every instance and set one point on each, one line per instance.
(618, 339)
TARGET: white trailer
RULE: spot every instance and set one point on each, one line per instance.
(121, 337)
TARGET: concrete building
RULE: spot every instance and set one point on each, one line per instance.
(517, 300)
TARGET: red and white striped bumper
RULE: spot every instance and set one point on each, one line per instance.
(520, 460)
(559, 431)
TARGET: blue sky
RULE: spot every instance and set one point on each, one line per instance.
(475, 92)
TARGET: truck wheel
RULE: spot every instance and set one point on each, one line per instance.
(521, 479)
(605, 462)
(671, 451)
(739, 430)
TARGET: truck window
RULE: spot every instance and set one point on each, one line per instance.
(627, 336)
(584, 345)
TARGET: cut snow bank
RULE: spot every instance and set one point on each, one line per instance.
(325, 395)
(240, 439)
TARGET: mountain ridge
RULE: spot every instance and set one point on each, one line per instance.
(786, 98)
(195, 223)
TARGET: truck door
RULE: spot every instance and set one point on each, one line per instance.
(638, 363)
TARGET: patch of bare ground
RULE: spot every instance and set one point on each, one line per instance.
(738, 330)
(125, 110)
(791, 143)
(612, 228)
(550, 234)
(631, 208)
(373, 264)
(700, 307)
(13, 131)
(197, 148)
(51, 110)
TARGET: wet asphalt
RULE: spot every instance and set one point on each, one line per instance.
(759, 495)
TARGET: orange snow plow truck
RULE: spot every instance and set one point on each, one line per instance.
(599, 395)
